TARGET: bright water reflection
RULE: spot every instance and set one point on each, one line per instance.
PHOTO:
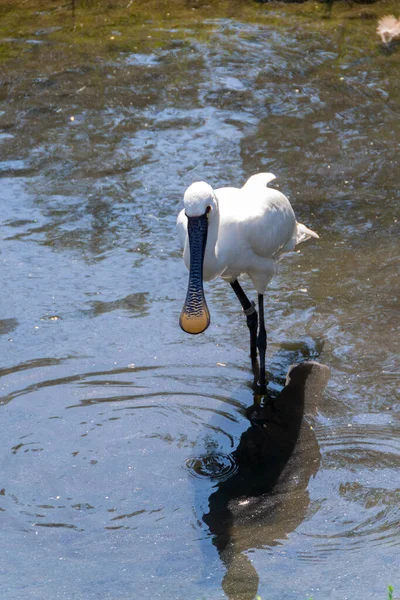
(106, 405)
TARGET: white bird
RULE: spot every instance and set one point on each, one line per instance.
(228, 232)
(388, 29)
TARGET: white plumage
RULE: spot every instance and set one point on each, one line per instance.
(388, 29)
(248, 229)
(230, 231)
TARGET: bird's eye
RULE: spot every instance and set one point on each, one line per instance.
(208, 209)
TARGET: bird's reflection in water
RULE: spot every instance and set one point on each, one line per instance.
(267, 497)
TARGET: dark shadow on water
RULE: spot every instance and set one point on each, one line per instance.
(289, 353)
(8, 325)
(136, 304)
(267, 498)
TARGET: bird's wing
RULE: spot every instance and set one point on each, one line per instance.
(269, 218)
(272, 227)
(258, 181)
(181, 226)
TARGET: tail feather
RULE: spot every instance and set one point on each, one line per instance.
(303, 233)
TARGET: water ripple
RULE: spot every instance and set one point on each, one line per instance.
(213, 466)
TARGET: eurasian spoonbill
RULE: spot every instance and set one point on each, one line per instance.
(230, 231)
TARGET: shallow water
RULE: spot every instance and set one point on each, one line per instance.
(117, 427)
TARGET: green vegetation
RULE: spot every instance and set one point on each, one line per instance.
(116, 26)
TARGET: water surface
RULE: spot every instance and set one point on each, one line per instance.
(118, 427)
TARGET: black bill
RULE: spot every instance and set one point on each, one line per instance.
(195, 317)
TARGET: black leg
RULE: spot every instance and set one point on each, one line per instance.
(262, 344)
(252, 322)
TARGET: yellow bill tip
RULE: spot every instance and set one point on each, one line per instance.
(194, 324)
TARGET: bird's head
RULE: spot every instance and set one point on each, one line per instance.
(199, 199)
(200, 203)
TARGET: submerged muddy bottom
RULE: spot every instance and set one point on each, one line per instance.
(118, 427)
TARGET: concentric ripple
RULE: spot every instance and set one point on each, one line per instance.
(215, 466)
(363, 505)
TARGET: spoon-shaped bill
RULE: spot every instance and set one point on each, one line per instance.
(195, 317)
